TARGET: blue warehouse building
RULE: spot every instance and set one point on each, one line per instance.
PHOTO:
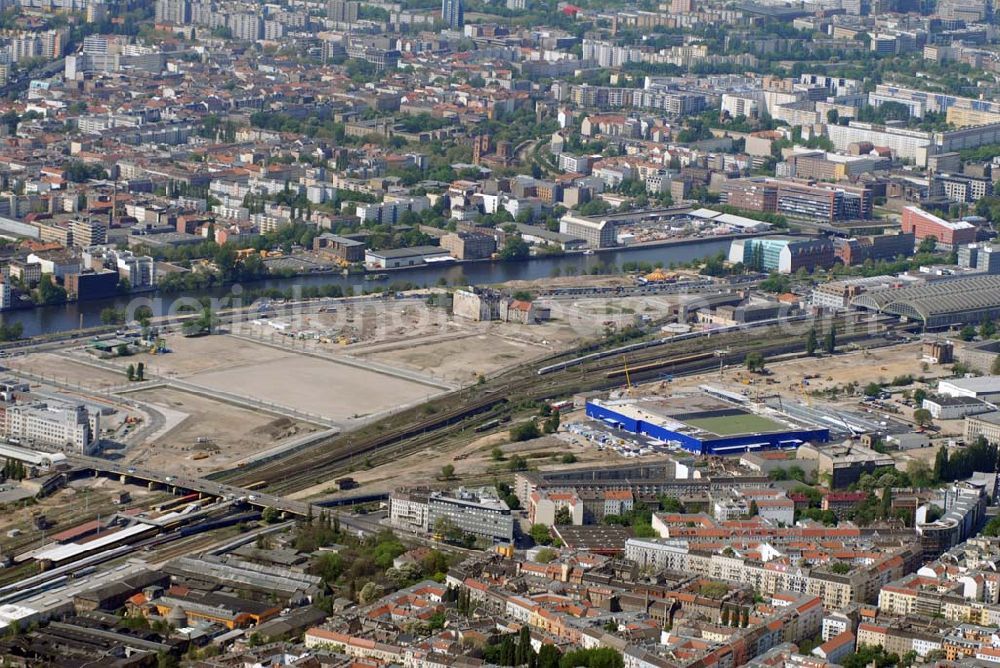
(705, 426)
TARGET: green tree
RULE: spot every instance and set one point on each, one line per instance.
(540, 534)
(967, 333)
(923, 417)
(447, 472)
(551, 424)
(525, 432)
(928, 244)
(563, 516)
(995, 367)
(548, 656)
(987, 328)
(941, 469)
(49, 292)
(130, 372)
(830, 341)
(270, 515)
(873, 389)
(885, 503)
(670, 504)
(112, 316)
(515, 248)
(600, 657)
(755, 362)
(497, 455)
(140, 371)
(811, 342)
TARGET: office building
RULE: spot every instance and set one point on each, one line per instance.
(348, 250)
(478, 513)
(92, 284)
(138, 270)
(453, 13)
(469, 245)
(598, 233)
(89, 232)
(66, 426)
(981, 257)
(888, 247)
(782, 254)
(923, 225)
(838, 294)
(986, 425)
(824, 201)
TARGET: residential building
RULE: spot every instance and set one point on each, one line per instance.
(342, 11)
(453, 13)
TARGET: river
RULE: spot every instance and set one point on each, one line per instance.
(50, 319)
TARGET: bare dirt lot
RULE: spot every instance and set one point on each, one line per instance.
(190, 356)
(881, 365)
(460, 360)
(216, 432)
(60, 368)
(317, 386)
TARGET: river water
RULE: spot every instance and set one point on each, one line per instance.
(49, 319)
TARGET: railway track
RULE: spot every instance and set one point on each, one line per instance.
(415, 429)
(190, 545)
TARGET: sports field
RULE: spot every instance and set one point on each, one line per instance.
(732, 425)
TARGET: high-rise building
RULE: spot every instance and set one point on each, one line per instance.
(453, 13)
(96, 12)
(342, 11)
(246, 26)
(173, 11)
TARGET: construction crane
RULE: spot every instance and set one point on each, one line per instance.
(628, 381)
(851, 430)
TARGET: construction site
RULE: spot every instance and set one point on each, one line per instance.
(278, 380)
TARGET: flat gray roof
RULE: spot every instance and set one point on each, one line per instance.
(396, 253)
